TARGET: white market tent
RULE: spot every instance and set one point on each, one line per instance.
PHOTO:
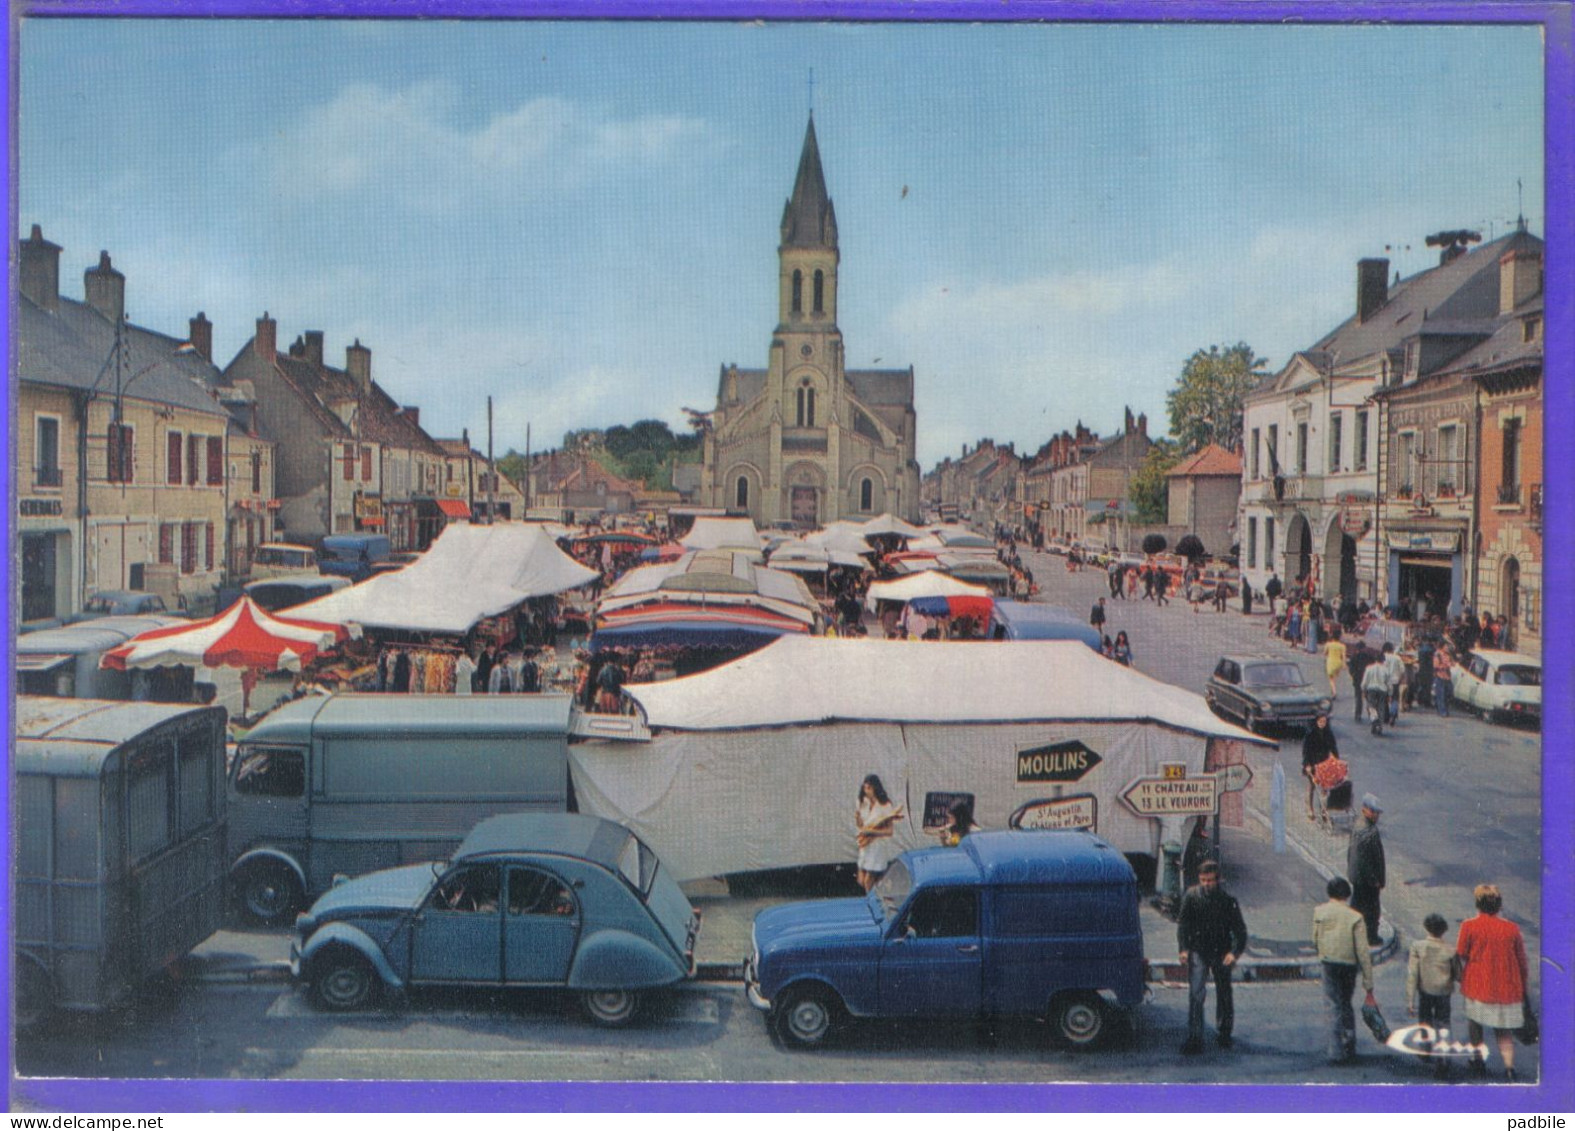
(889, 523)
(930, 583)
(756, 764)
(470, 573)
(709, 533)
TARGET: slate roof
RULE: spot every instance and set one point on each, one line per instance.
(1458, 297)
(377, 413)
(809, 220)
(882, 386)
(1211, 459)
(1506, 348)
(68, 348)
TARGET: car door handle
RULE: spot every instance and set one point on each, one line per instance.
(968, 948)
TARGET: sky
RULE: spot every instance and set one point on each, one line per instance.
(580, 220)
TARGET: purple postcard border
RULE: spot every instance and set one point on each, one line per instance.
(1556, 1092)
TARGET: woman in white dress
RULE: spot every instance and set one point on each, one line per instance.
(874, 819)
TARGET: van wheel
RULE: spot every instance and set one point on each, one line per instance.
(342, 980)
(269, 894)
(1079, 1021)
(807, 1018)
(612, 1009)
(35, 995)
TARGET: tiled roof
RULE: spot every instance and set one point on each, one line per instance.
(377, 414)
(1211, 459)
(69, 348)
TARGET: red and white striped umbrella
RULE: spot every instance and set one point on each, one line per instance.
(243, 636)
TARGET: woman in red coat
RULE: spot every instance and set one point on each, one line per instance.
(1494, 975)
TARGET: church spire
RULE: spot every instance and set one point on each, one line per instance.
(809, 219)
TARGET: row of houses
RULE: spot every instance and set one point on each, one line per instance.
(1396, 460)
(143, 465)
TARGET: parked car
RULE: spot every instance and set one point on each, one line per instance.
(1500, 685)
(1264, 691)
(528, 900)
(1132, 560)
(394, 562)
(272, 559)
(1013, 923)
(121, 603)
(285, 591)
(353, 555)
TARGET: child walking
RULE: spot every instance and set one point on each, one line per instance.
(1430, 980)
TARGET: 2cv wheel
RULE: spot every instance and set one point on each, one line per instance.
(342, 980)
(610, 1008)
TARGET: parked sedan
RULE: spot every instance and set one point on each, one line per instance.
(528, 900)
(1263, 691)
(1500, 685)
(122, 603)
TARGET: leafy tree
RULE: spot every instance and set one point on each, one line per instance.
(512, 466)
(1154, 543)
(1147, 490)
(1205, 405)
(1190, 547)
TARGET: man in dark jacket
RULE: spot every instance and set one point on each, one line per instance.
(1361, 658)
(1210, 936)
(1364, 865)
(1272, 590)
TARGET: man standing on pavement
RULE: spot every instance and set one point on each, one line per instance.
(1210, 935)
(1375, 689)
(1443, 679)
(1096, 615)
(1361, 658)
(1364, 865)
(1272, 590)
(1342, 948)
(1396, 669)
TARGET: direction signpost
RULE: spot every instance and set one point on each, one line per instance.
(1173, 796)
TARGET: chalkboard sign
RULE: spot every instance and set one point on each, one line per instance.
(937, 807)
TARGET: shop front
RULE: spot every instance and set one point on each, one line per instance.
(1426, 572)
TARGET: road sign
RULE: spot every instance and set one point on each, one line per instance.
(1234, 778)
(1058, 762)
(1077, 812)
(1173, 797)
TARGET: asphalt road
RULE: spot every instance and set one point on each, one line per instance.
(1462, 797)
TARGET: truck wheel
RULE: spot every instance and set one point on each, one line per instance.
(268, 894)
(612, 1009)
(342, 980)
(35, 995)
(1079, 1021)
(807, 1018)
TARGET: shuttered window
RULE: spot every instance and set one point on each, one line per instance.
(193, 458)
(174, 446)
(215, 461)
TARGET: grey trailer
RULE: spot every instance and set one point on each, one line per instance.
(119, 846)
(348, 784)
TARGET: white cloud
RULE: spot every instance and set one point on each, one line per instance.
(413, 144)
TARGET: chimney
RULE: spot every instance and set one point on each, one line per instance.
(314, 347)
(1519, 277)
(1142, 424)
(105, 289)
(412, 413)
(358, 363)
(202, 336)
(1372, 287)
(266, 343)
(39, 271)
(1130, 423)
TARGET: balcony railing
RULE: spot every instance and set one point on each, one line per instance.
(1509, 494)
(47, 476)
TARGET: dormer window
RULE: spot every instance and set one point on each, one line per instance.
(1531, 329)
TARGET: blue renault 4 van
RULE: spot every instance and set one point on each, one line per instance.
(1026, 923)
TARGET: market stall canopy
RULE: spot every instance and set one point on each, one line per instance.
(809, 679)
(685, 624)
(469, 574)
(840, 537)
(930, 583)
(712, 577)
(802, 557)
(243, 636)
(889, 524)
(722, 534)
(1024, 621)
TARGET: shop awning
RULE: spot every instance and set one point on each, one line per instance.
(40, 662)
(454, 508)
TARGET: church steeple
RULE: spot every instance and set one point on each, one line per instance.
(809, 220)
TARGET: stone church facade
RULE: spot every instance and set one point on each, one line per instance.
(807, 440)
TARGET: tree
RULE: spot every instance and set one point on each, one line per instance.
(1147, 489)
(1191, 547)
(512, 466)
(1154, 543)
(1205, 405)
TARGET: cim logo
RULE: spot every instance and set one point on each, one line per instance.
(1058, 762)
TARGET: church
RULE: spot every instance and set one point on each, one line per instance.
(807, 440)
